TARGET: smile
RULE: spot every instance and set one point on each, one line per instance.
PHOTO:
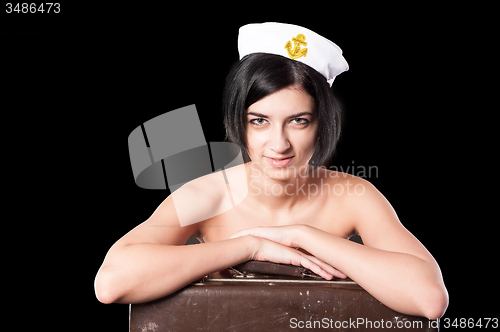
(279, 162)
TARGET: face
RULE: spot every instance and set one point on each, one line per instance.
(282, 133)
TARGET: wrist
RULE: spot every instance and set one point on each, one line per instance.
(251, 245)
(300, 235)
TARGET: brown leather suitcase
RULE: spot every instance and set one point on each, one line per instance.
(257, 296)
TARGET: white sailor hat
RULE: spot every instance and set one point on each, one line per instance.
(294, 42)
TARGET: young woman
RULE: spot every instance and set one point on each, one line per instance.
(283, 115)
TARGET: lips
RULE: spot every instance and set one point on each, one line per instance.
(279, 162)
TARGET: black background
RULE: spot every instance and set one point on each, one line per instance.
(75, 84)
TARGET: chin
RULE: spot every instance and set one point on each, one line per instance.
(279, 174)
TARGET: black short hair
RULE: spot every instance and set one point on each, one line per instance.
(258, 75)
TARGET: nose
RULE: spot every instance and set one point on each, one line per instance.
(279, 141)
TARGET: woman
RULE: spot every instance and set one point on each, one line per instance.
(280, 110)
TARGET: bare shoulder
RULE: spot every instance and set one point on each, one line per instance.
(374, 218)
(348, 188)
(367, 205)
(361, 204)
(178, 217)
(210, 195)
(361, 199)
(345, 184)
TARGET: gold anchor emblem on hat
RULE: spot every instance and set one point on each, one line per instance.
(296, 52)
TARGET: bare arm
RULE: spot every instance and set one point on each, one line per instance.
(151, 261)
(403, 281)
(143, 272)
(392, 265)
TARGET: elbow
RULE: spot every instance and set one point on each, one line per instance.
(105, 287)
(435, 304)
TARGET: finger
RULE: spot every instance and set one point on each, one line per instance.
(325, 266)
(274, 252)
(308, 264)
(328, 268)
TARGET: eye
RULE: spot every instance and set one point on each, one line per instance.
(258, 122)
(300, 121)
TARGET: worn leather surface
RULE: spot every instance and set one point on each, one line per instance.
(228, 301)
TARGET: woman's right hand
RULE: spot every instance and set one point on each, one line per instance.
(270, 251)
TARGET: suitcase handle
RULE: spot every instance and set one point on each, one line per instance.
(251, 267)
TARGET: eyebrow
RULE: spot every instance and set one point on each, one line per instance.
(290, 117)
